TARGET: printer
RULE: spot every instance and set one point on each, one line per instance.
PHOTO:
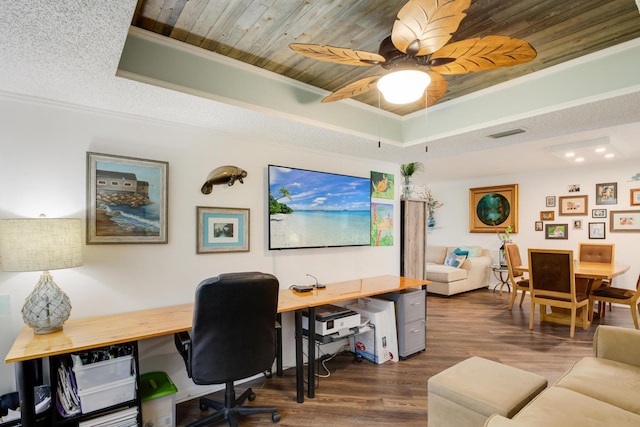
(331, 321)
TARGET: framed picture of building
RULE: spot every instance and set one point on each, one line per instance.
(126, 199)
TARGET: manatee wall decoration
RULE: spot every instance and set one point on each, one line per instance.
(223, 175)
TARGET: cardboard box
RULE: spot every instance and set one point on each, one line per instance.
(380, 344)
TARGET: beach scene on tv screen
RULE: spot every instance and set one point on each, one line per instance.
(317, 209)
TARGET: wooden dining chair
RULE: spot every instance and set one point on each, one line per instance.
(552, 284)
(517, 277)
(609, 294)
(603, 253)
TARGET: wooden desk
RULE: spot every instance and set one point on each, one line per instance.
(339, 292)
(93, 332)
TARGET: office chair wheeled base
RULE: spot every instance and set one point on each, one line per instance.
(232, 408)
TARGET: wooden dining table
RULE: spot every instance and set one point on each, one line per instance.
(593, 272)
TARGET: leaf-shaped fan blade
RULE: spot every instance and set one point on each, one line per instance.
(435, 90)
(338, 55)
(424, 26)
(482, 54)
(353, 89)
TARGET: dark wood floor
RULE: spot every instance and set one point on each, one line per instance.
(477, 323)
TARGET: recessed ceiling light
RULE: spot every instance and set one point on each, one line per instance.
(586, 152)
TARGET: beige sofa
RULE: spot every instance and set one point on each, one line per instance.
(474, 273)
(601, 390)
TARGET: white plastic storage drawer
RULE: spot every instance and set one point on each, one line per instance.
(99, 373)
(103, 396)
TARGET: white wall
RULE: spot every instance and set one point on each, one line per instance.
(453, 218)
(43, 170)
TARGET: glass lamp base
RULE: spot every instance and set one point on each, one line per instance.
(47, 307)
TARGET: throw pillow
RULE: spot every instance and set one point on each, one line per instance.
(461, 251)
(454, 260)
(471, 252)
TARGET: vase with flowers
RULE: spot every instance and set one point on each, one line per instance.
(504, 238)
(432, 205)
(407, 170)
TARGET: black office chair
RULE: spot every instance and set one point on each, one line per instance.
(233, 337)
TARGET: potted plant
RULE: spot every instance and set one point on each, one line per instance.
(407, 170)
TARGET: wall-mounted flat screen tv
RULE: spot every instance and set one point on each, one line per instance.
(310, 209)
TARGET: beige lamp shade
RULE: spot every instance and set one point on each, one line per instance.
(40, 244)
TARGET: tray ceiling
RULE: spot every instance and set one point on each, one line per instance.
(258, 32)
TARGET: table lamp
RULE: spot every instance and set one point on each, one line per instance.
(42, 244)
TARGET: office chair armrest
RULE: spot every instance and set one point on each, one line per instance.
(183, 345)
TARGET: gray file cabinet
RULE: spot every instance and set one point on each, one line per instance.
(411, 321)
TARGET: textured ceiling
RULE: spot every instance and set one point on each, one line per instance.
(67, 53)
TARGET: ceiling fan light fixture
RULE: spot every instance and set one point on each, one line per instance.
(404, 86)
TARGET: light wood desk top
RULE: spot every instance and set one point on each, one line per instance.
(91, 332)
(359, 288)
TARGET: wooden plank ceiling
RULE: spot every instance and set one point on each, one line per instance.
(258, 32)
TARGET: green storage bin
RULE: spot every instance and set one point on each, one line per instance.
(158, 396)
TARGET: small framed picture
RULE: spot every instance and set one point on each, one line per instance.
(547, 215)
(222, 230)
(597, 230)
(556, 231)
(574, 188)
(598, 213)
(551, 201)
(624, 221)
(577, 224)
(635, 197)
(607, 193)
(573, 205)
(538, 226)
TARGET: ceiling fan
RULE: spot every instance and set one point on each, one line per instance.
(418, 45)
